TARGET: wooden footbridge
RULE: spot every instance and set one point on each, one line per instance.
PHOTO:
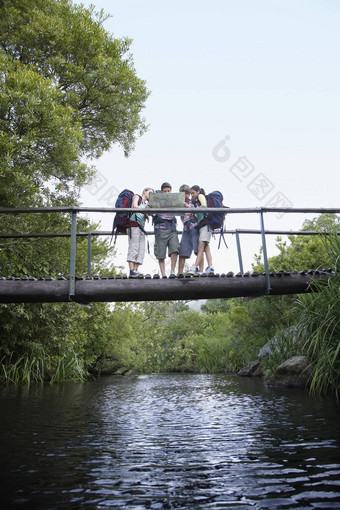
(147, 288)
(115, 288)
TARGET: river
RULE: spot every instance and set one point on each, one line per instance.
(174, 441)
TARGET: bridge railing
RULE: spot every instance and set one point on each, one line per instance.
(73, 234)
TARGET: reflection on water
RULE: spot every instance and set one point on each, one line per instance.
(168, 441)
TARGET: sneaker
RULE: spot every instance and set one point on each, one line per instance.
(172, 274)
(209, 270)
(134, 273)
(194, 270)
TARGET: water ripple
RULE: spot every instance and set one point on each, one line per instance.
(167, 442)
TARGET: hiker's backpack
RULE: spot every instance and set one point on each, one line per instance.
(121, 220)
(216, 219)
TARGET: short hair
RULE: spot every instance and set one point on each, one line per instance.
(184, 188)
(166, 185)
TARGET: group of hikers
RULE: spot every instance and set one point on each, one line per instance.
(195, 238)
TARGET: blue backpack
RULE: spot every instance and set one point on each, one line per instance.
(216, 219)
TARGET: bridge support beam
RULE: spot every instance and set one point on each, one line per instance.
(152, 289)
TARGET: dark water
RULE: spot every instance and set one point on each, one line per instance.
(168, 441)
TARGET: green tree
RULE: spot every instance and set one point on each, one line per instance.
(68, 89)
(217, 305)
(305, 251)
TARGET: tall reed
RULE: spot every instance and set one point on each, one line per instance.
(319, 325)
(69, 368)
(26, 369)
(29, 369)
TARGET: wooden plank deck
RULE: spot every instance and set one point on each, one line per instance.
(120, 288)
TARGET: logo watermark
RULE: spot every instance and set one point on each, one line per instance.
(98, 187)
(257, 183)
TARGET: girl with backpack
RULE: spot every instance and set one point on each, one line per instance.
(205, 233)
(136, 233)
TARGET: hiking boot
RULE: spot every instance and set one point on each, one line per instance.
(194, 270)
(209, 270)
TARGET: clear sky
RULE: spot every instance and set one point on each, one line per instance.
(245, 98)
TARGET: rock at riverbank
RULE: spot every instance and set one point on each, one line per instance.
(294, 372)
(252, 370)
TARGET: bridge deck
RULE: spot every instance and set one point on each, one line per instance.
(120, 288)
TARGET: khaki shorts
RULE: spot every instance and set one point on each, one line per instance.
(165, 239)
(205, 234)
(136, 248)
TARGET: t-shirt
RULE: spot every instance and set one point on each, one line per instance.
(189, 218)
(138, 218)
(203, 201)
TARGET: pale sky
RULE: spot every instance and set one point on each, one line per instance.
(262, 76)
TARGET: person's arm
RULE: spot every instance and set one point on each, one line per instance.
(203, 203)
(135, 201)
(203, 200)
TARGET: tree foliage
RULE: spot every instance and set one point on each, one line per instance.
(305, 251)
(68, 89)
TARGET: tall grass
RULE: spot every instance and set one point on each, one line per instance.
(26, 369)
(69, 368)
(283, 346)
(29, 369)
(205, 354)
(217, 355)
(319, 325)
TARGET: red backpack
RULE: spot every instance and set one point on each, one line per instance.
(122, 220)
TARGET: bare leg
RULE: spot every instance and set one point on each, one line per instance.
(200, 255)
(133, 266)
(181, 263)
(173, 258)
(162, 266)
(208, 254)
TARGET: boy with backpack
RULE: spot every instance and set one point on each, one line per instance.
(166, 236)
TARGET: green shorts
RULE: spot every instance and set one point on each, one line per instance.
(165, 239)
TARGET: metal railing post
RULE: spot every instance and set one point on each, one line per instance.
(89, 241)
(265, 257)
(72, 285)
(239, 253)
